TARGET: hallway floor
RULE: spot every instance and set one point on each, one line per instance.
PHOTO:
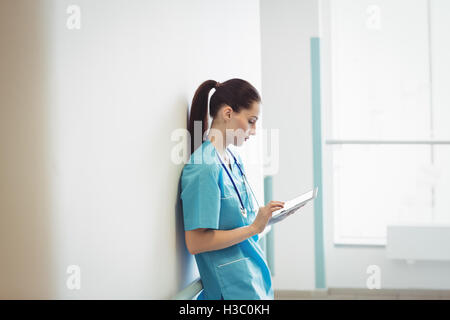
(363, 294)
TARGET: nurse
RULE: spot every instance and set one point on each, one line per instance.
(221, 219)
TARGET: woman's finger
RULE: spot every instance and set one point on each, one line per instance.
(278, 203)
(274, 208)
(272, 205)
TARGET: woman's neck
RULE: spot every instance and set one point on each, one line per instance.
(219, 144)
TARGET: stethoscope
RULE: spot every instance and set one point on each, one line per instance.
(243, 209)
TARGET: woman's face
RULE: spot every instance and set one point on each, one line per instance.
(242, 124)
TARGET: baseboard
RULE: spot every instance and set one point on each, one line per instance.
(361, 293)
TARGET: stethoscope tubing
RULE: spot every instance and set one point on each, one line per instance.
(232, 180)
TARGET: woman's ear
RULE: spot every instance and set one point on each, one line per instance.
(227, 112)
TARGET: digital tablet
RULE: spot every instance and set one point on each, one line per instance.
(292, 205)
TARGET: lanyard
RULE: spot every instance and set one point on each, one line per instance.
(243, 210)
(245, 177)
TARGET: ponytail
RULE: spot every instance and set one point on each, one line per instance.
(236, 93)
(199, 111)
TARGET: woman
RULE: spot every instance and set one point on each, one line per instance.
(220, 220)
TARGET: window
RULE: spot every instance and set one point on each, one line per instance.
(389, 116)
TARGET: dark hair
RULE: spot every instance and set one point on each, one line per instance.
(237, 93)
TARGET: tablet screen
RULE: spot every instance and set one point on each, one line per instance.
(298, 201)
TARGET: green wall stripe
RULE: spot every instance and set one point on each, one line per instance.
(319, 256)
(269, 244)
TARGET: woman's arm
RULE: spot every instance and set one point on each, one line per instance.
(202, 240)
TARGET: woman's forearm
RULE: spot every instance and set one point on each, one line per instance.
(202, 240)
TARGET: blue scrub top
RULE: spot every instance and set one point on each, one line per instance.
(209, 200)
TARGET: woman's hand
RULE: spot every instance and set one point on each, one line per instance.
(264, 215)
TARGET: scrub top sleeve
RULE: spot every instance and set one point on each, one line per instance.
(200, 196)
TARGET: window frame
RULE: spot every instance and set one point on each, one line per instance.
(327, 62)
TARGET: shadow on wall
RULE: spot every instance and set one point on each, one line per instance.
(187, 270)
(26, 259)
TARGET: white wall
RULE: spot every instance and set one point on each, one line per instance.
(286, 29)
(92, 156)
